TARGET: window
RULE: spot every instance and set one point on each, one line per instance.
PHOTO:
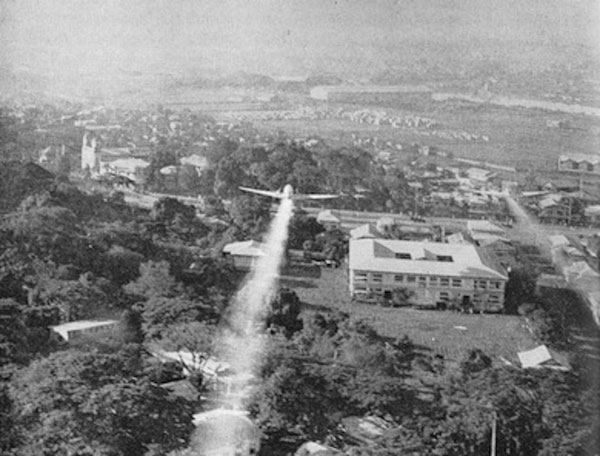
(423, 279)
(377, 290)
(444, 296)
(403, 256)
(494, 298)
(446, 258)
(456, 282)
(575, 165)
(590, 167)
(495, 285)
(433, 280)
(377, 277)
(482, 284)
(362, 289)
(399, 278)
(411, 279)
(360, 276)
(444, 281)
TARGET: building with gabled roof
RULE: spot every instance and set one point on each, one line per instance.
(243, 254)
(74, 330)
(328, 219)
(433, 274)
(579, 163)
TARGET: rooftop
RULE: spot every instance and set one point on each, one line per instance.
(590, 158)
(426, 258)
(245, 248)
(81, 325)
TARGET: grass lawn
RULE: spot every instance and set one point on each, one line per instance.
(446, 333)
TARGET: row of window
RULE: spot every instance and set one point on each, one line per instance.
(431, 280)
(442, 295)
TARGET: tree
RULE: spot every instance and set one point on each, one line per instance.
(250, 215)
(194, 337)
(132, 415)
(95, 403)
(130, 326)
(159, 313)
(302, 228)
(475, 361)
(9, 437)
(285, 312)
(520, 289)
(155, 280)
(13, 335)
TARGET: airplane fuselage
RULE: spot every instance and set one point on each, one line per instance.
(288, 192)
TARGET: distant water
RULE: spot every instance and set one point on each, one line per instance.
(521, 103)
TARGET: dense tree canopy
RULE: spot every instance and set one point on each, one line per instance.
(97, 404)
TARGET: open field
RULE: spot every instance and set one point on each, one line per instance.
(519, 137)
(446, 333)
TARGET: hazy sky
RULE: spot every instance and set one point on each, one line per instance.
(70, 36)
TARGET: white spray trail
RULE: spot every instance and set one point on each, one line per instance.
(243, 340)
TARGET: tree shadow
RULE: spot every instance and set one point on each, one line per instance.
(292, 282)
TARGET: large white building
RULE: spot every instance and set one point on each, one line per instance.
(431, 274)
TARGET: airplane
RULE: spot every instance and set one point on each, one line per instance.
(288, 193)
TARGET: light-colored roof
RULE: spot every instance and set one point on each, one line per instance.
(540, 357)
(245, 248)
(195, 160)
(550, 200)
(456, 238)
(379, 255)
(169, 170)
(81, 325)
(557, 240)
(327, 216)
(534, 357)
(130, 163)
(479, 173)
(579, 158)
(484, 226)
(592, 210)
(364, 231)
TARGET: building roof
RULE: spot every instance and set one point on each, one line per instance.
(380, 255)
(327, 216)
(579, 158)
(479, 174)
(484, 226)
(557, 240)
(538, 357)
(245, 248)
(195, 160)
(456, 238)
(485, 239)
(592, 210)
(551, 281)
(129, 163)
(316, 449)
(364, 231)
(81, 325)
(550, 200)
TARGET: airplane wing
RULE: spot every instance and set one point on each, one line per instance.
(261, 192)
(314, 197)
